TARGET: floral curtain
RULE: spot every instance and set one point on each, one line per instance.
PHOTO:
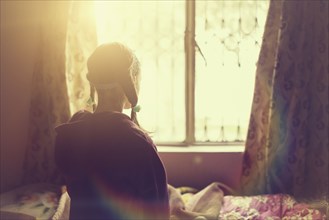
(49, 99)
(81, 41)
(287, 145)
(254, 165)
(67, 37)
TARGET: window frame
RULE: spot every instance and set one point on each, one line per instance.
(191, 133)
(190, 52)
(189, 43)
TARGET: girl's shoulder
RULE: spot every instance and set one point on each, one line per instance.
(143, 136)
(80, 115)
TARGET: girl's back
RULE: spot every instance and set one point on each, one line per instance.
(111, 167)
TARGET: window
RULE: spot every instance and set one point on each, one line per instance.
(198, 64)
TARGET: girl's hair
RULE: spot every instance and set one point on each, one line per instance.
(115, 63)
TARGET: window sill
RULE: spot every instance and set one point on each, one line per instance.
(202, 149)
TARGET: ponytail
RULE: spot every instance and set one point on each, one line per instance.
(133, 117)
(91, 101)
(133, 114)
(115, 63)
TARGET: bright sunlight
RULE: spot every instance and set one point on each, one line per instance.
(228, 35)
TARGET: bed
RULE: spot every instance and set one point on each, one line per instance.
(47, 201)
(217, 202)
(35, 201)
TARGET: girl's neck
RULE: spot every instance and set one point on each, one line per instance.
(107, 109)
(108, 106)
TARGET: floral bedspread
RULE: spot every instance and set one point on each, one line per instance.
(211, 203)
(42, 202)
(278, 206)
(39, 201)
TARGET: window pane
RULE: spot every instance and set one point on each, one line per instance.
(229, 36)
(155, 30)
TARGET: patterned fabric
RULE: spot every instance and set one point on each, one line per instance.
(49, 100)
(287, 146)
(81, 41)
(42, 202)
(67, 29)
(216, 206)
(277, 207)
(39, 200)
(255, 155)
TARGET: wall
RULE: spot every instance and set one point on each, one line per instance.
(19, 36)
(199, 166)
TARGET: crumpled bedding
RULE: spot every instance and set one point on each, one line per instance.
(205, 204)
(38, 201)
(35, 201)
(212, 203)
(275, 206)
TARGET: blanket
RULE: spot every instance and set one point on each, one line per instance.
(210, 204)
(204, 205)
(43, 201)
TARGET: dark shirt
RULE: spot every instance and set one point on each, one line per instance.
(111, 167)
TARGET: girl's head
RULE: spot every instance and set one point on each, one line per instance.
(114, 71)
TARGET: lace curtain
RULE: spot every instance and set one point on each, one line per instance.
(81, 42)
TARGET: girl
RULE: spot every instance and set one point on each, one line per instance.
(111, 167)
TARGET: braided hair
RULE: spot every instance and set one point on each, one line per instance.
(115, 63)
